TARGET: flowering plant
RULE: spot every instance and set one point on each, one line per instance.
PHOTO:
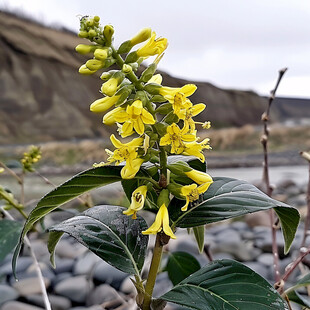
(162, 169)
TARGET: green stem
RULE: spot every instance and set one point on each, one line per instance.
(157, 253)
(131, 75)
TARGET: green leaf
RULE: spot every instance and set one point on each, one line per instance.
(228, 198)
(193, 161)
(77, 185)
(107, 232)
(199, 233)
(180, 265)
(225, 284)
(9, 234)
(299, 299)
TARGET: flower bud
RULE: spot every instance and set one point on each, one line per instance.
(102, 53)
(94, 64)
(92, 33)
(85, 49)
(108, 32)
(106, 75)
(85, 71)
(152, 88)
(110, 87)
(131, 57)
(164, 108)
(127, 68)
(179, 168)
(163, 198)
(83, 34)
(148, 72)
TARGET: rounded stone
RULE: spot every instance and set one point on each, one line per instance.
(7, 293)
(103, 293)
(85, 264)
(57, 302)
(30, 286)
(16, 305)
(75, 288)
(105, 273)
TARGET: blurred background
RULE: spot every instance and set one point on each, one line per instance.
(231, 50)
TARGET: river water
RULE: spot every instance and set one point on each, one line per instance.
(298, 174)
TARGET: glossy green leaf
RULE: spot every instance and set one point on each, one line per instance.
(199, 233)
(228, 198)
(194, 162)
(77, 185)
(180, 265)
(225, 284)
(298, 298)
(9, 234)
(108, 233)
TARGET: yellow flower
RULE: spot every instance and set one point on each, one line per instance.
(116, 115)
(109, 88)
(196, 149)
(103, 104)
(188, 114)
(199, 177)
(180, 103)
(85, 71)
(161, 223)
(126, 152)
(137, 201)
(152, 46)
(191, 192)
(157, 79)
(169, 92)
(176, 137)
(206, 125)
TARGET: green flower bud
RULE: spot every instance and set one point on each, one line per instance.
(175, 189)
(163, 198)
(158, 98)
(102, 53)
(83, 34)
(92, 33)
(94, 64)
(127, 68)
(171, 118)
(141, 95)
(148, 72)
(179, 168)
(164, 108)
(124, 93)
(85, 71)
(85, 49)
(125, 47)
(96, 19)
(106, 75)
(132, 57)
(108, 32)
(152, 88)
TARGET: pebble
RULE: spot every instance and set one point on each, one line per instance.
(57, 302)
(101, 294)
(105, 273)
(85, 264)
(7, 293)
(17, 305)
(75, 288)
(30, 286)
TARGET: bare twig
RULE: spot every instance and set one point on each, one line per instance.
(11, 172)
(264, 141)
(37, 266)
(291, 267)
(306, 156)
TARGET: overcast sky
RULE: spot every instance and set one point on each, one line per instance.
(233, 44)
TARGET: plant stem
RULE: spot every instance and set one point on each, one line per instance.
(306, 156)
(264, 141)
(157, 253)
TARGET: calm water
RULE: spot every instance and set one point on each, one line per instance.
(298, 174)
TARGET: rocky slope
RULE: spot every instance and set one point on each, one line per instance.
(43, 98)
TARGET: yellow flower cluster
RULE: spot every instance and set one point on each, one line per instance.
(160, 118)
(30, 158)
